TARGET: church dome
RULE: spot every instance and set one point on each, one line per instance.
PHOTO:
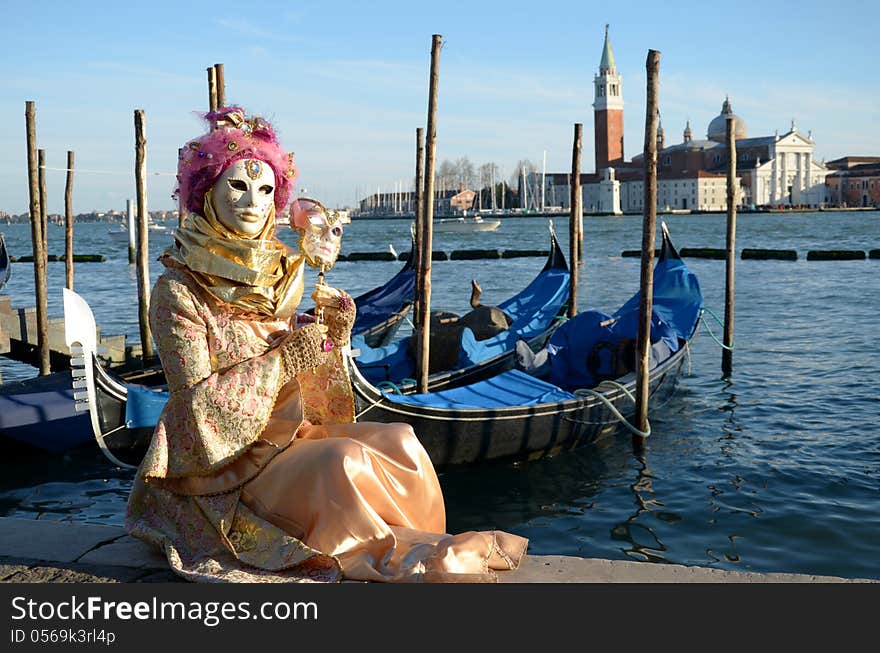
(718, 127)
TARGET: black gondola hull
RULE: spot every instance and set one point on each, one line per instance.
(465, 437)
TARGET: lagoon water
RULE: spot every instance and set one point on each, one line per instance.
(775, 469)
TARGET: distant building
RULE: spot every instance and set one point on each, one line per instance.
(388, 204)
(403, 203)
(691, 175)
(462, 201)
(772, 170)
(778, 170)
(697, 190)
(855, 181)
(848, 162)
(608, 110)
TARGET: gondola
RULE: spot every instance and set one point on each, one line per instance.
(382, 310)
(510, 416)
(123, 411)
(5, 266)
(533, 313)
(516, 416)
(39, 415)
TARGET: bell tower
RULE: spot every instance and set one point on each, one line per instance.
(608, 110)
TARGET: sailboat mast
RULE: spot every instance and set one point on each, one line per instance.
(543, 181)
(494, 198)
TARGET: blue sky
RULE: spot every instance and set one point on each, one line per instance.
(346, 83)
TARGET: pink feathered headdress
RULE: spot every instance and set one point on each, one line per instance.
(233, 136)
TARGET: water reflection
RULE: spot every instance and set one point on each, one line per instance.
(78, 486)
(554, 492)
(730, 427)
(644, 544)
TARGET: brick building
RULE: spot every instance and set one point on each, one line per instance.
(608, 110)
(855, 181)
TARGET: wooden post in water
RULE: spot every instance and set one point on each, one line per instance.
(423, 290)
(44, 218)
(68, 224)
(576, 202)
(212, 89)
(581, 235)
(649, 226)
(132, 231)
(221, 85)
(419, 225)
(727, 351)
(37, 238)
(143, 269)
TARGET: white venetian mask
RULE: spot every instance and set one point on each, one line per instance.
(243, 196)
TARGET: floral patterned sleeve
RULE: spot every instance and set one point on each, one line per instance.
(212, 415)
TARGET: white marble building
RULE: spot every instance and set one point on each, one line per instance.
(788, 175)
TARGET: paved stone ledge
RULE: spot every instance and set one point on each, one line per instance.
(34, 551)
(571, 569)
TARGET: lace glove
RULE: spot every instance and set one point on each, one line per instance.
(339, 313)
(302, 349)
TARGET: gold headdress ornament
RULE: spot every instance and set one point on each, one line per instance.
(232, 136)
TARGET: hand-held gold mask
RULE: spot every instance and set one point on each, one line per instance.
(320, 241)
(320, 232)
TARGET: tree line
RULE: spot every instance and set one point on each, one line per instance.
(462, 173)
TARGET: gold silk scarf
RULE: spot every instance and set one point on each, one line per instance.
(257, 274)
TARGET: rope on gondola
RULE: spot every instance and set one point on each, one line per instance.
(382, 387)
(581, 392)
(389, 385)
(720, 323)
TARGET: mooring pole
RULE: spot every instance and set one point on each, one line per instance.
(649, 226)
(212, 89)
(44, 218)
(68, 224)
(424, 289)
(132, 231)
(581, 234)
(143, 266)
(727, 350)
(221, 85)
(576, 202)
(419, 234)
(37, 239)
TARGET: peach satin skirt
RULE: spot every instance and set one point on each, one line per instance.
(368, 494)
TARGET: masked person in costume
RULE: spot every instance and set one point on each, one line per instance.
(257, 470)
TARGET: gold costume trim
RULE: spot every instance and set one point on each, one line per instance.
(258, 274)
